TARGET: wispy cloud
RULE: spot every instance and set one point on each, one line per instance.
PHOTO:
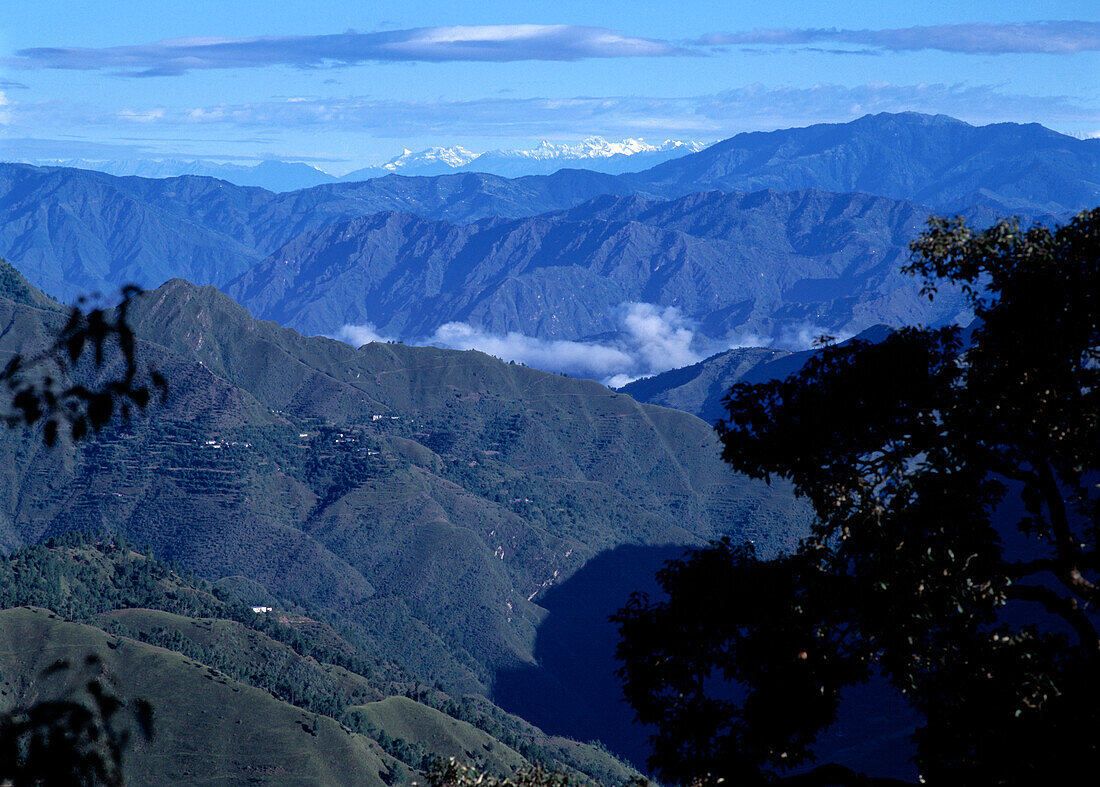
(787, 336)
(7, 84)
(495, 43)
(708, 116)
(1050, 38)
(746, 108)
(651, 339)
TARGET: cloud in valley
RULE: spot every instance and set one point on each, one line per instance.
(659, 336)
(584, 359)
(793, 337)
(1049, 38)
(652, 339)
(491, 43)
(358, 335)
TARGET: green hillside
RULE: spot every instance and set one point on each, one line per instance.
(401, 717)
(15, 287)
(208, 728)
(418, 500)
(295, 660)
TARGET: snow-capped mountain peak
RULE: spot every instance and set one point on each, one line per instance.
(453, 157)
(595, 148)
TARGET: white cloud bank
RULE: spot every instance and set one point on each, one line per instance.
(358, 335)
(652, 339)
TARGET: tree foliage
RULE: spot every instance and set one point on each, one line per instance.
(452, 773)
(51, 387)
(80, 738)
(77, 739)
(954, 476)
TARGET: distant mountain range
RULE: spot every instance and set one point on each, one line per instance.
(933, 160)
(74, 231)
(733, 266)
(271, 175)
(803, 229)
(594, 153)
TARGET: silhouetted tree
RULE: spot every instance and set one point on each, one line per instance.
(79, 738)
(452, 773)
(42, 387)
(75, 740)
(954, 479)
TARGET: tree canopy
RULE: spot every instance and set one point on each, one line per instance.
(86, 376)
(53, 387)
(954, 477)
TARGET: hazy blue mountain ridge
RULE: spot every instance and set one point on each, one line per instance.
(701, 388)
(935, 160)
(761, 264)
(595, 154)
(271, 175)
(71, 231)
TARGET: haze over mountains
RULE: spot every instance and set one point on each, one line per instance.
(934, 160)
(574, 264)
(435, 505)
(594, 153)
(420, 499)
(717, 268)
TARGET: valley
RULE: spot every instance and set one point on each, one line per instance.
(439, 534)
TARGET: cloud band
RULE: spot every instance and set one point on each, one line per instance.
(490, 43)
(1049, 38)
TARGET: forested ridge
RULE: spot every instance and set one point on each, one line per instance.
(105, 582)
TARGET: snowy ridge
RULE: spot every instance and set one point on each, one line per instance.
(598, 147)
(594, 153)
(452, 157)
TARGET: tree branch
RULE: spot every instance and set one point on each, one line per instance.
(1065, 608)
(1069, 549)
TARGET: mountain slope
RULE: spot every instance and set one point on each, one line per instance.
(933, 160)
(217, 729)
(421, 498)
(72, 231)
(764, 264)
(700, 388)
(297, 660)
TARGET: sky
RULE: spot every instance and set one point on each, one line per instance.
(343, 85)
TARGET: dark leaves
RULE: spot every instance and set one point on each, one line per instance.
(115, 385)
(76, 739)
(956, 548)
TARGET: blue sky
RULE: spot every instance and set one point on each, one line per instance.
(346, 84)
